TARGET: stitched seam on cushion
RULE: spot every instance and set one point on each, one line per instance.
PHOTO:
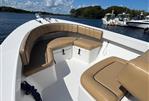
(101, 83)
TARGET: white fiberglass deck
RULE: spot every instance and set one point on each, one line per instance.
(68, 73)
(67, 87)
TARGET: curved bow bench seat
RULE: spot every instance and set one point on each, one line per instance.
(61, 42)
(87, 43)
(34, 35)
(109, 79)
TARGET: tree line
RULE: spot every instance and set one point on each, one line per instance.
(97, 12)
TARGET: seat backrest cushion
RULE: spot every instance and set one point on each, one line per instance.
(135, 77)
(29, 41)
(90, 32)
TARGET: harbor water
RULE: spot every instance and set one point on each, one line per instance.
(10, 21)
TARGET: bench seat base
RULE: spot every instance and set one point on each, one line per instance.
(85, 55)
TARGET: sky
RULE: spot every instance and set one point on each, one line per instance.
(64, 6)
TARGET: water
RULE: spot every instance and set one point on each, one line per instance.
(10, 21)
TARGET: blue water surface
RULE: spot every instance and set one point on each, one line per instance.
(10, 21)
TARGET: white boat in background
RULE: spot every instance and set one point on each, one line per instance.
(139, 23)
(59, 60)
(109, 19)
(122, 19)
(143, 23)
(147, 17)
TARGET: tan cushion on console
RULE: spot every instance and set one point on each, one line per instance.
(142, 61)
(61, 42)
(135, 77)
(108, 77)
(87, 44)
(100, 80)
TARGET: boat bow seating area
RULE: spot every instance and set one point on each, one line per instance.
(84, 37)
(108, 80)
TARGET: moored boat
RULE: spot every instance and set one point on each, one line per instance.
(138, 23)
(141, 22)
(122, 19)
(109, 19)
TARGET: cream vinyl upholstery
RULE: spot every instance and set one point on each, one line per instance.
(32, 37)
(100, 79)
(36, 33)
(109, 79)
(135, 77)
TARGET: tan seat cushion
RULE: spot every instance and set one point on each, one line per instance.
(61, 42)
(108, 77)
(100, 80)
(87, 44)
(135, 77)
(30, 40)
(94, 33)
(142, 61)
(49, 56)
(38, 59)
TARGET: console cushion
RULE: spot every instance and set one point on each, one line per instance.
(135, 77)
(142, 61)
(100, 79)
(108, 77)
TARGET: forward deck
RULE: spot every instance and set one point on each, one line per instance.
(65, 79)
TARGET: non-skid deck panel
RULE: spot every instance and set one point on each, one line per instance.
(67, 87)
